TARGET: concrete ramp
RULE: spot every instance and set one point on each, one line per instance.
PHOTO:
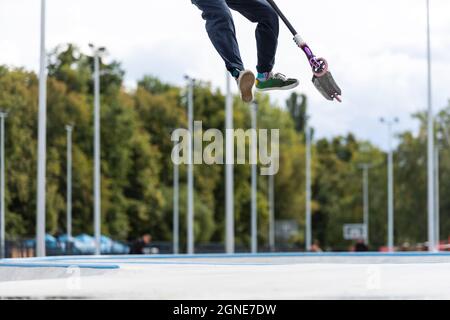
(217, 277)
(23, 269)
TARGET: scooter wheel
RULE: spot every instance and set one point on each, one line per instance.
(323, 70)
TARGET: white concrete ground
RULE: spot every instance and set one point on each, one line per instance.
(266, 276)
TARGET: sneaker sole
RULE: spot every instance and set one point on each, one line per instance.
(246, 86)
(292, 86)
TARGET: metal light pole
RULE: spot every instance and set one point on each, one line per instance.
(431, 191)
(436, 199)
(3, 115)
(69, 129)
(229, 170)
(271, 212)
(176, 214)
(365, 168)
(441, 136)
(42, 143)
(190, 177)
(253, 160)
(97, 51)
(390, 124)
(308, 234)
(447, 138)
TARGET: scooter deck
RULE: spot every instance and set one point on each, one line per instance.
(327, 86)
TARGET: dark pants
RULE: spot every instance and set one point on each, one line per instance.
(221, 30)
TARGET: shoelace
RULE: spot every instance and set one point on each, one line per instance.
(279, 76)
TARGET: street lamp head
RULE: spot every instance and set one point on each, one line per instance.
(389, 121)
(189, 79)
(97, 50)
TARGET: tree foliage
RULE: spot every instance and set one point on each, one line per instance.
(137, 171)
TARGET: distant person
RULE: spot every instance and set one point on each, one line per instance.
(316, 246)
(222, 33)
(140, 245)
(361, 246)
(421, 247)
(405, 247)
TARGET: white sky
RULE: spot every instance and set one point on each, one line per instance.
(376, 49)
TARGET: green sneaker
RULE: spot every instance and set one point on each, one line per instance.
(276, 81)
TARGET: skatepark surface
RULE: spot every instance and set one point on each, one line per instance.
(243, 276)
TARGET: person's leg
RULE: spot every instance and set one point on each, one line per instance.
(259, 11)
(221, 31)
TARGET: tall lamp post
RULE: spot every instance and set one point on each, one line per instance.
(431, 155)
(97, 52)
(69, 129)
(390, 123)
(254, 159)
(308, 224)
(3, 115)
(229, 169)
(190, 177)
(176, 213)
(42, 143)
(441, 135)
(436, 197)
(447, 139)
(271, 196)
(365, 169)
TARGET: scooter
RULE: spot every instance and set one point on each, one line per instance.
(322, 79)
